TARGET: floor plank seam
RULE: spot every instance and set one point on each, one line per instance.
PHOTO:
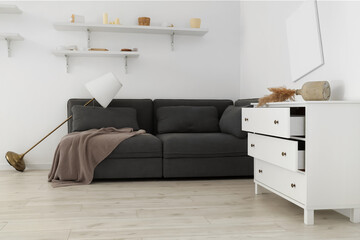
(208, 220)
(68, 237)
(1, 228)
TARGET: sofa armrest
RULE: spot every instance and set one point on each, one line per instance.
(246, 102)
(230, 122)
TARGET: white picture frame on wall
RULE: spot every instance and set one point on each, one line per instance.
(304, 40)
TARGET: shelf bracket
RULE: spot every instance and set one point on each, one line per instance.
(88, 38)
(172, 41)
(67, 63)
(126, 64)
(8, 46)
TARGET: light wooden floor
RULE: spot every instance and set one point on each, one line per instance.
(219, 209)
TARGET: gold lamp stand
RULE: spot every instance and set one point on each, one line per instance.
(17, 160)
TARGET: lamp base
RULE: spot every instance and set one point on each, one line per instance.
(16, 160)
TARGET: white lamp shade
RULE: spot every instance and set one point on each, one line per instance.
(104, 88)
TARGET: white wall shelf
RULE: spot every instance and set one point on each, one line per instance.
(67, 54)
(129, 29)
(8, 37)
(172, 31)
(9, 9)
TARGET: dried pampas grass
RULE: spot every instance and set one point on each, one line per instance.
(278, 95)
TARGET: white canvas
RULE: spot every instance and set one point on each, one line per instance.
(304, 40)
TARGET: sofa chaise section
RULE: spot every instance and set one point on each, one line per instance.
(136, 157)
(198, 152)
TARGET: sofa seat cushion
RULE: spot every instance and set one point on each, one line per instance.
(202, 145)
(139, 146)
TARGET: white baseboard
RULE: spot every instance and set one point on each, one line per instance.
(28, 166)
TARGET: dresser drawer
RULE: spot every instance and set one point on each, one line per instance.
(291, 184)
(272, 121)
(281, 152)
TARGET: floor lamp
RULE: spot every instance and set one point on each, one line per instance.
(103, 89)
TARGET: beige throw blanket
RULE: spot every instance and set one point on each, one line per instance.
(78, 154)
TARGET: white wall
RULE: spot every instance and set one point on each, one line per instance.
(264, 53)
(34, 87)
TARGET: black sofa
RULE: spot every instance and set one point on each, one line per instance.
(167, 150)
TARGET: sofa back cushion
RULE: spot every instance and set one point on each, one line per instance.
(144, 110)
(187, 119)
(219, 104)
(85, 118)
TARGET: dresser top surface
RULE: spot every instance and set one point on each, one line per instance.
(305, 103)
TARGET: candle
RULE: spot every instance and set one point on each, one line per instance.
(105, 18)
(117, 21)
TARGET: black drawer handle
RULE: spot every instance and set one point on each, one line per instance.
(283, 154)
(252, 145)
(293, 185)
(260, 171)
(246, 119)
(276, 121)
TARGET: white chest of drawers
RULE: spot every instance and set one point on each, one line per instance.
(308, 153)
